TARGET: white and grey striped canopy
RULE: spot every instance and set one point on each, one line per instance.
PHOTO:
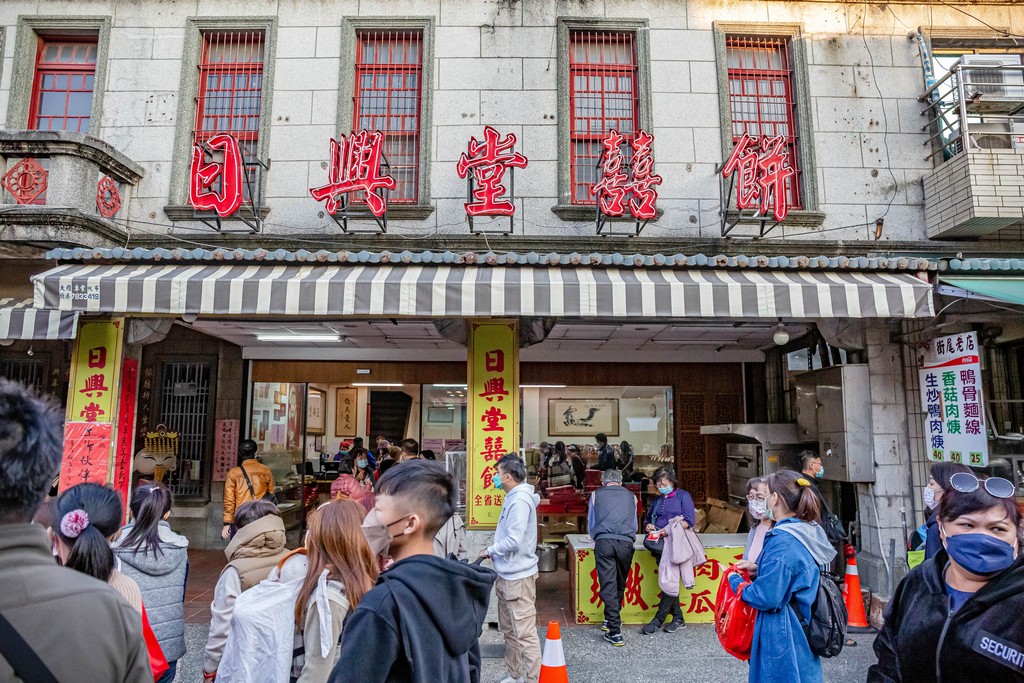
(480, 291)
(19, 320)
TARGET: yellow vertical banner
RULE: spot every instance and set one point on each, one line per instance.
(493, 414)
(93, 390)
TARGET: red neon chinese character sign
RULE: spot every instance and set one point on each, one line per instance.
(355, 166)
(616, 190)
(762, 168)
(204, 174)
(488, 160)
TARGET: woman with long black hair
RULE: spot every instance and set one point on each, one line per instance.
(157, 559)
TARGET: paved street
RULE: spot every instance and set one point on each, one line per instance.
(691, 655)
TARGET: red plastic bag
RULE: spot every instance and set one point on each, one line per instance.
(734, 619)
(157, 662)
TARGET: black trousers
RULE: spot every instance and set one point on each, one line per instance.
(613, 559)
(669, 604)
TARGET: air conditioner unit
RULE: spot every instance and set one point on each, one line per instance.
(990, 136)
(989, 89)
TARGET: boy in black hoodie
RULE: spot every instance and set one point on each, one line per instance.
(422, 621)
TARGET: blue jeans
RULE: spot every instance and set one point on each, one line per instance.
(168, 676)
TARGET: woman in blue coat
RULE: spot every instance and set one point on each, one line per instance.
(786, 577)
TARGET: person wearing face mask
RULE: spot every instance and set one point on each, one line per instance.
(514, 553)
(938, 484)
(671, 503)
(424, 616)
(785, 585)
(813, 470)
(757, 492)
(957, 616)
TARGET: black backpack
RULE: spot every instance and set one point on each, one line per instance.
(826, 631)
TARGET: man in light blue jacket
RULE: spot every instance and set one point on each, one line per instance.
(514, 553)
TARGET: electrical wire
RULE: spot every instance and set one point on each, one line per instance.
(1002, 32)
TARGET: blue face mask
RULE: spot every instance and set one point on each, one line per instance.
(665, 490)
(820, 473)
(360, 463)
(497, 483)
(980, 554)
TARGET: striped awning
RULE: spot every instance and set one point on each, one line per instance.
(19, 320)
(480, 291)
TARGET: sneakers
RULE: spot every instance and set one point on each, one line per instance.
(604, 626)
(651, 628)
(510, 679)
(673, 626)
(615, 639)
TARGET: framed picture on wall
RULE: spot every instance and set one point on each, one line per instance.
(316, 412)
(583, 416)
(345, 410)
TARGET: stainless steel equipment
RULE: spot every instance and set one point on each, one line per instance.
(754, 450)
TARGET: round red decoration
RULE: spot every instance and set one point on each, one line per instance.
(26, 181)
(108, 199)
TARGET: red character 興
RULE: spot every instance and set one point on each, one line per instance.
(488, 161)
(203, 174)
(354, 167)
(494, 388)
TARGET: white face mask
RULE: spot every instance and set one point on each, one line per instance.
(929, 498)
(758, 509)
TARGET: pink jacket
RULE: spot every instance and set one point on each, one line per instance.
(347, 485)
(682, 555)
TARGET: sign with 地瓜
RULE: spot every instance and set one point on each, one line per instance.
(951, 397)
(493, 414)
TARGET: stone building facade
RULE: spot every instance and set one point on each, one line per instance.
(842, 82)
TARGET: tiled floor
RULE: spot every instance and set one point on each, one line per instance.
(203, 569)
(554, 601)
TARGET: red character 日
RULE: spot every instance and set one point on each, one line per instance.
(204, 174)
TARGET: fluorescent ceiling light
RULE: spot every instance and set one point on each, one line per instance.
(542, 386)
(299, 337)
(377, 384)
(451, 386)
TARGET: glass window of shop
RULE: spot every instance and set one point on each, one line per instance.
(278, 426)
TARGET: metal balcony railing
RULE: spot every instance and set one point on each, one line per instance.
(977, 104)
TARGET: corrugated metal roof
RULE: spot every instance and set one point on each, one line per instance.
(594, 259)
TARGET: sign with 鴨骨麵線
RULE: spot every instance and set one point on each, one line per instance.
(493, 414)
(951, 397)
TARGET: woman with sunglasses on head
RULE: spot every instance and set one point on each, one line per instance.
(957, 616)
(938, 483)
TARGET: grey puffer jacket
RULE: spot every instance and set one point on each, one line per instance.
(162, 581)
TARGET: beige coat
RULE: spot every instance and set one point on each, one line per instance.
(79, 626)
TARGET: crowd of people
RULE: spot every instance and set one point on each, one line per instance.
(382, 590)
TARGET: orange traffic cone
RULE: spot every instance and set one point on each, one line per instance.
(856, 619)
(552, 664)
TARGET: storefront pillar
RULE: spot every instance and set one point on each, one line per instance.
(99, 422)
(880, 504)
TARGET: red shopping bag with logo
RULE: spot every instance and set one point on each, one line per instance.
(157, 662)
(734, 619)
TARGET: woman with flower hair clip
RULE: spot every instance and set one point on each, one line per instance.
(87, 517)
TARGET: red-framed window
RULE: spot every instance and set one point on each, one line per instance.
(389, 85)
(65, 73)
(231, 93)
(604, 96)
(761, 96)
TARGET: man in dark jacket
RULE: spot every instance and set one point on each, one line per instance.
(922, 642)
(422, 621)
(612, 524)
(76, 627)
(605, 454)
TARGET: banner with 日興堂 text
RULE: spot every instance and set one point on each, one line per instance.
(493, 414)
(951, 397)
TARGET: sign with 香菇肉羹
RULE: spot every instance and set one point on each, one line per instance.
(951, 397)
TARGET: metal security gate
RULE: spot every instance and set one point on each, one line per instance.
(186, 406)
(31, 373)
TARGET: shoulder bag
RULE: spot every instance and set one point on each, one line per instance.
(23, 659)
(248, 482)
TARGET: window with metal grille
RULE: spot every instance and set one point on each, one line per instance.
(231, 93)
(31, 373)
(63, 84)
(186, 407)
(389, 69)
(603, 96)
(761, 96)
